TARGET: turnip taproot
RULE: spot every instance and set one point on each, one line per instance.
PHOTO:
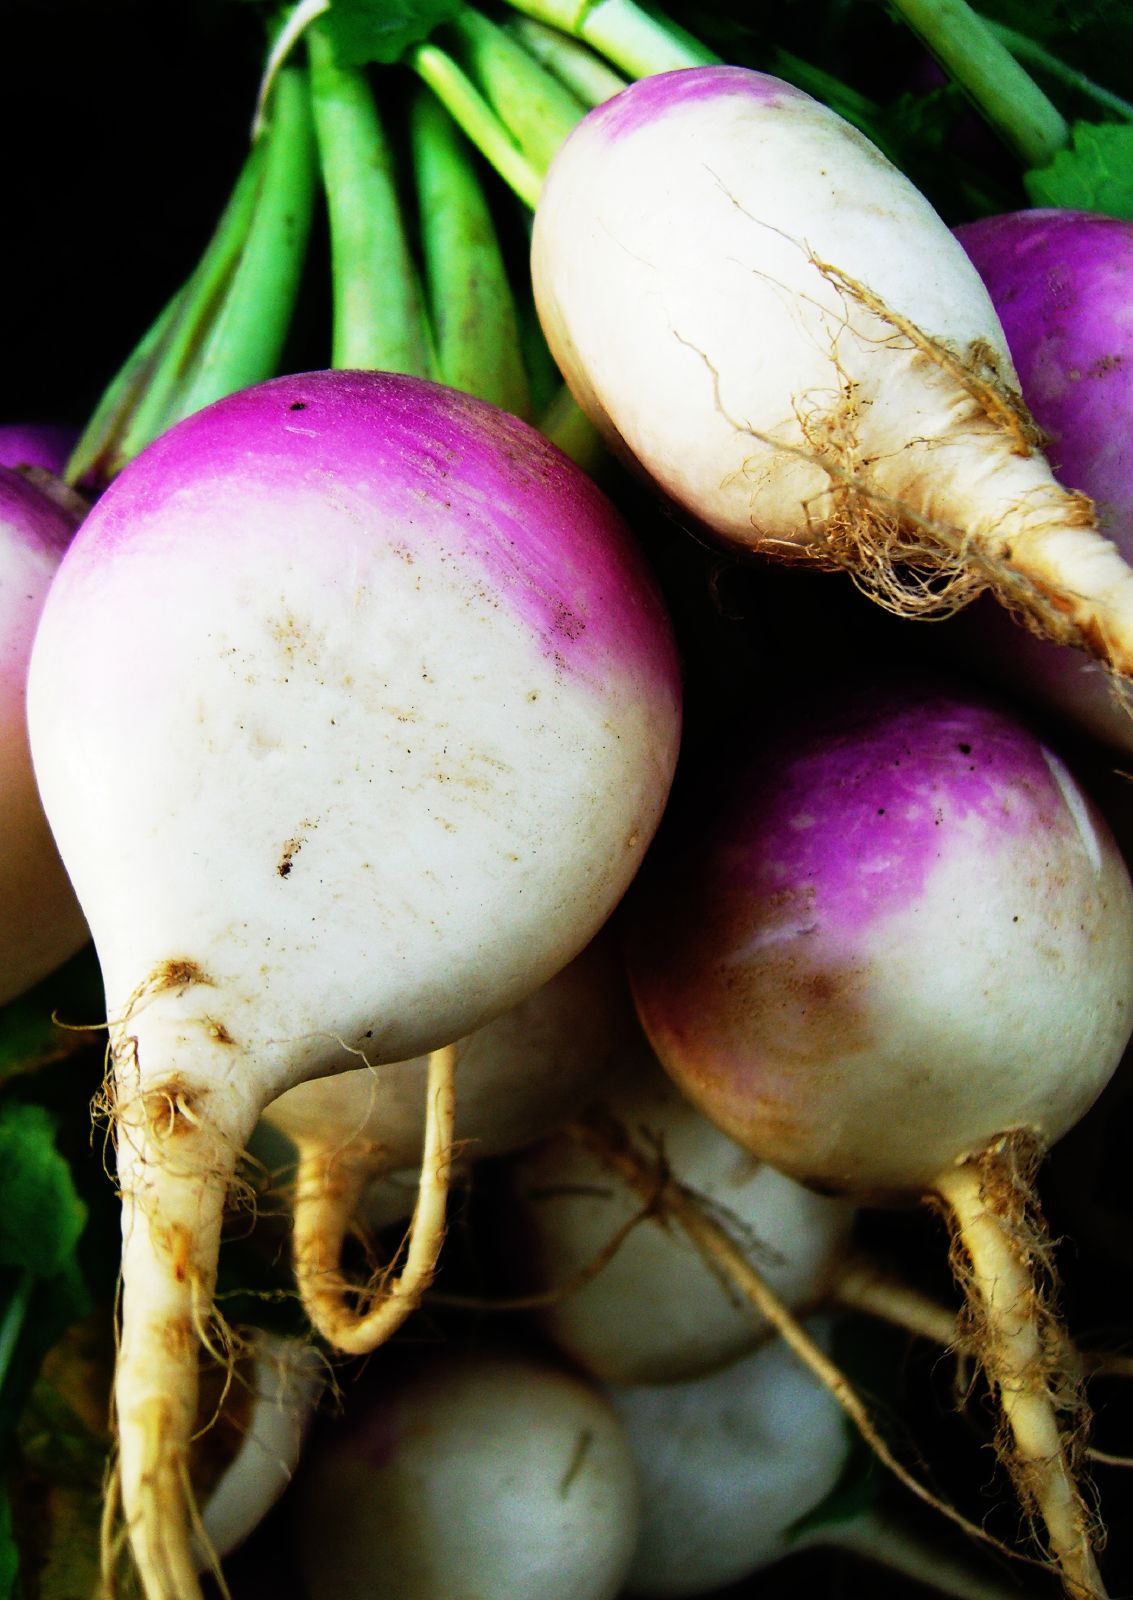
(893, 955)
(519, 1076)
(772, 322)
(40, 921)
(474, 1472)
(389, 719)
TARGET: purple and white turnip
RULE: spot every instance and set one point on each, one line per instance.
(770, 321)
(377, 712)
(891, 952)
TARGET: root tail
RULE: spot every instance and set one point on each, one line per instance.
(328, 1190)
(1001, 1258)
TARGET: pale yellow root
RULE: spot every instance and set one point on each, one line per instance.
(863, 1286)
(1014, 1348)
(328, 1189)
(175, 1169)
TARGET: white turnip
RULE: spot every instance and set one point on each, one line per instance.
(519, 1076)
(733, 1463)
(40, 921)
(286, 1381)
(469, 1473)
(893, 955)
(353, 709)
(765, 316)
(656, 1312)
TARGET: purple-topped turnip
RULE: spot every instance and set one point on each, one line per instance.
(45, 445)
(377, 713)
(892, 954)
(766, 317)
(1061, 282)
(40, 921)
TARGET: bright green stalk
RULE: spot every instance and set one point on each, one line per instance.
(591, 79)
(468, 107)
(1003, 92)
(635, 41)
(470, 296)
(134, 406)
(245, 340)
(535, 107)
(379, 318)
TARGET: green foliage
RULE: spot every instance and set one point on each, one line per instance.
(366, 34)
(1095, 174)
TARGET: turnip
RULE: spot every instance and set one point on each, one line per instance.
(732, 1463)
(377, 713)
(469, 1473)
(36, 444)
(656, 1312)
(893, 955)
(287, 1379)
(40, 921)
(1060, 283)
(770, 321)
(519, 1076)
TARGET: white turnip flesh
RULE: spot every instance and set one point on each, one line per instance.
(893, 955)
(518, 1077)
(657, 1312)
(377, 712)
(731, 1464)
(774, 325)
(40, 920)
(469, 1473)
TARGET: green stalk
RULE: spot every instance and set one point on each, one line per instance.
(138, 399)
(636, 42)
(472, 112)
(471, 304)
(244, 342)
(534, 106)
(1003, 92)
(590, 78)
(1038, 56)
(378, 317)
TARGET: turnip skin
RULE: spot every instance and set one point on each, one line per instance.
(480, 1473)
(388, 723)
(1061, 281)
(808, 364)
(656, 1313)
(40, 920)
(779, 961)
(36, 444)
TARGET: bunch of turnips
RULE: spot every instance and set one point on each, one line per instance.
(575, 842)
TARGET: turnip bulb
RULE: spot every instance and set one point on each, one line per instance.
(480, 1473)
(40, 920)
(353, 708)
(656, 1311)
(892, 953)
(772, 323)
